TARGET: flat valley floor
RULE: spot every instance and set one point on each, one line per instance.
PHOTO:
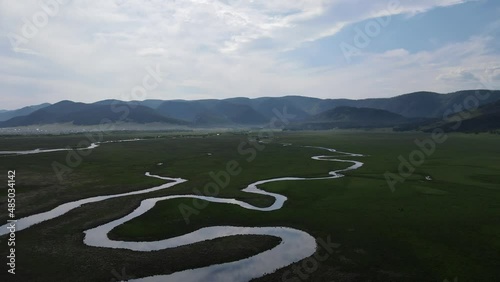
(437, 220)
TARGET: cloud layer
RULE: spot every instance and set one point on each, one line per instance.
(92, 50)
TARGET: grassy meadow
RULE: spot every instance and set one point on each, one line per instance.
(423, 230)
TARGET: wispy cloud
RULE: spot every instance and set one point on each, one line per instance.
(221, 48)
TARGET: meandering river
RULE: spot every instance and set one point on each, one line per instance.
(295, 244)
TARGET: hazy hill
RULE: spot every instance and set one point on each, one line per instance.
(248, 112)
(184, 110)
(211, 119)
(426, 104)
(360, 115)
(350, 117)
(6, 115)
(418, 104)
(213, 112)
(269, 106)
(485, 118)
(89, 114)
(240, 113)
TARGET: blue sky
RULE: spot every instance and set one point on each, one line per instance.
(87, 51)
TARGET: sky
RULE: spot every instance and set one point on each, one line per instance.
(86, 50)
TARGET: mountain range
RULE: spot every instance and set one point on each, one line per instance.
(484, 118)
(419, 110)
(351, 117)
(6, 115)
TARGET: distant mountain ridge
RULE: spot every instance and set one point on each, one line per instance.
(350, 117)
(428, 104)
(246, 112)
(485, 118)
(6, 115)
(90, 114)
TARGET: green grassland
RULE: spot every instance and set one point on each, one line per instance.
(422, 231)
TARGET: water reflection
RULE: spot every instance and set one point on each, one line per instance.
(39, 151)
(295, 245)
